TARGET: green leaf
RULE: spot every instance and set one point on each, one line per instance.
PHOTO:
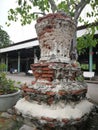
(19, 2)
(25, 7)
(88, 14)
(12, 11)
(25, 2)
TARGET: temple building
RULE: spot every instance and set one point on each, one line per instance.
(20, 55)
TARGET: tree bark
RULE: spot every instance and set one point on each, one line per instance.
(53, 5)
(77, 13)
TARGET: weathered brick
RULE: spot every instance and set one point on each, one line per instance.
(46, 68)
(47, 75)
(65, 121)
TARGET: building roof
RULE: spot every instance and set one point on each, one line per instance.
(21, 45)
(82, 30)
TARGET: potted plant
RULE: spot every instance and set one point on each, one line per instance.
(9, 94)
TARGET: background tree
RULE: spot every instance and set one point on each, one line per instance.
(4, 38)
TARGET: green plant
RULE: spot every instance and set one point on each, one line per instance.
(7, 86)
(4, 38)
(85, 42)
(86, 66)
(2, 67)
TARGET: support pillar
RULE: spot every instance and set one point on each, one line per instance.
(27, 64)
(90, 59)
(2, 59)
(18, 61)
(35, 57)
(6, 61)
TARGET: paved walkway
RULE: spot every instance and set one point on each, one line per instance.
(92, 86)
(20, 77)
(93, 92)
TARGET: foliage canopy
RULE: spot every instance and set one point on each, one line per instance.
(4, 38)
(25, 12)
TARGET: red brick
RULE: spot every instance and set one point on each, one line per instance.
(52, 16)
(28, 89)
(47, 75)
(46, 68)
(76, 92)
(50, 93)
(52, 125)
(48, 72)
(50, 100)
(62, 92)
(65, 121)
(47, 119)
(45, 78)
(78, 119)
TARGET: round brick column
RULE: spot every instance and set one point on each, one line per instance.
(55, 34)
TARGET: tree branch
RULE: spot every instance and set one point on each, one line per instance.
(79, 8)
(42, 13)
(53, 5)
(68, 3)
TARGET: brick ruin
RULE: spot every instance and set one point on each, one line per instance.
(56, 99)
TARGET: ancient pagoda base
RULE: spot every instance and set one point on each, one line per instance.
(56, 100)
